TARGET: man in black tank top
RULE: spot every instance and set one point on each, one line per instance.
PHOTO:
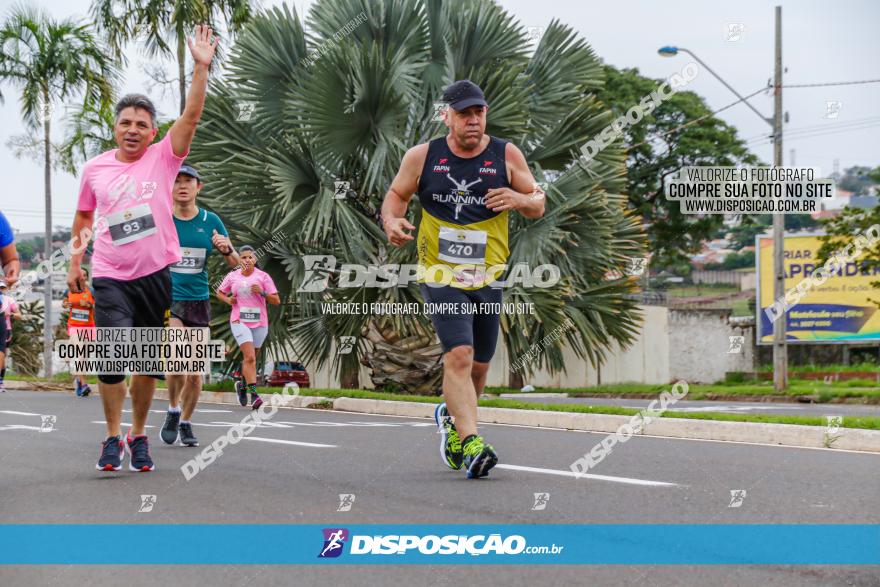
(467, 183)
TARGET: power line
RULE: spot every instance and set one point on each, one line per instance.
(755, 93)
(818, 133)
(827, 84)
(764, 135)
(700, 118)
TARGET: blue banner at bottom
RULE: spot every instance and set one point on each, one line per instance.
(607, 544)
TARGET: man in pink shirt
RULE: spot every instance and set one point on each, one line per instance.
(130, 187)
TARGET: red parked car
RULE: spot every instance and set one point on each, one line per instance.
(287, 371)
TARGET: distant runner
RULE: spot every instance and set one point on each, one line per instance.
(467, 182)
(200, 232)
(81, 317)
(9, 310)
(130, 187)
(247, 290)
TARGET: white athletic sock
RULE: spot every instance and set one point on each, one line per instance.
(174, 410)
(184, 421)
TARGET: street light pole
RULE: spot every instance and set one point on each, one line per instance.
(780, 351)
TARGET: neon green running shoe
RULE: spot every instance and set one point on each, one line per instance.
(479, 457)
(450, 442)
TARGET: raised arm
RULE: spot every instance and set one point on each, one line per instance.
(202, 47)
(405, 184)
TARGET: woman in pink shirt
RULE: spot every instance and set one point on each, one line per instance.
(247, 289)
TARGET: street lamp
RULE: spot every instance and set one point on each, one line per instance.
(780, 355)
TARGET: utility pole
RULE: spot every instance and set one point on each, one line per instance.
(47, 246)
(780, 352)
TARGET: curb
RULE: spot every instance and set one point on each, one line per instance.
(227, 398)
(853, 439)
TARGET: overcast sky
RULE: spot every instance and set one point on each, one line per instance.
(822, 42)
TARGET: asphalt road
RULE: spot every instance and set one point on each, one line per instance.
(293, 470)
(729, 407)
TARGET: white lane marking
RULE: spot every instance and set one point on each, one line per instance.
(256, 424)
(627, 480)
(10, 412)
(198, 410)
(293, 442)
(19, 427)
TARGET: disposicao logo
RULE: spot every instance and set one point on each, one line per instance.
(334, 540)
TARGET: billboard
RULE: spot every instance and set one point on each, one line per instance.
(839, 310)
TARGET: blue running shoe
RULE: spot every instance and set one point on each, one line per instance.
(112, 453)
(139, 453)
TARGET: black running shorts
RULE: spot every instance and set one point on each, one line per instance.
(193, 313)
(144, 302)
(465, 317)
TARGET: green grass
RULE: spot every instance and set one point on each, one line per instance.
(700, 392)
(836, 368)
(705, 289)
(870, 423)
(740, 307)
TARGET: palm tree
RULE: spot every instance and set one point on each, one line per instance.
(348, 111)
(163, 25)
(51, 61)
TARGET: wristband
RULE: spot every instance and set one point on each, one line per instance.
(231, 250)
(264, 294)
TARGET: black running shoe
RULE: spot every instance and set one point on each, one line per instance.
(479, 457)
(241, 390)
(86, 390)
(170, 427)
(187, 438)
(112, 452)
(139, 453)
(257, 403)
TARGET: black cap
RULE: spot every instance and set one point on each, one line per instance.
(189, 170)
(464, 94)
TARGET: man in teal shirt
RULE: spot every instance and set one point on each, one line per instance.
(199, 232)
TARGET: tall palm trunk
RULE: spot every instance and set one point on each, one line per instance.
(47, 249)
(181, 67)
